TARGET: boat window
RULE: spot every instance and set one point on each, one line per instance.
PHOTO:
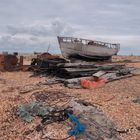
(90, 42)
(66, 40)
(83, 42)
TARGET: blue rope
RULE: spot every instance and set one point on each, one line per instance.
(79, 127)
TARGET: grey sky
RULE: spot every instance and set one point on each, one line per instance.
(30, 25)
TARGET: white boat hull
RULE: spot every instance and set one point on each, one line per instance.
(70, 49)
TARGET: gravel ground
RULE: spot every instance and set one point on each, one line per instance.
(115, 99)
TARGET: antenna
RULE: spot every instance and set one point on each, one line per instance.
(49, 45)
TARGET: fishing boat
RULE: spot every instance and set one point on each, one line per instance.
(87, 49)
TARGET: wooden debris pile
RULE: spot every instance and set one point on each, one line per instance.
(44, 62)
(85, 74)
(59, 68)
(74, 70)
(90, 75)
(62, 69)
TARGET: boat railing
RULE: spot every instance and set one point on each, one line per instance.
(88, 42)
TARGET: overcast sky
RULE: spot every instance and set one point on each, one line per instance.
(31, 25)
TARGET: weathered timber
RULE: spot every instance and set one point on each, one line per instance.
(75, 80)
(76, 65)
(135, 72)
(99, 73)
(120, 77)
(80, 69)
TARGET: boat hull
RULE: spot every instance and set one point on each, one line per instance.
(78, 49)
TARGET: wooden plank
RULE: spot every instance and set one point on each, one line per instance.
(79, 69)
(76, 65)
(120, 77)
(75, 80)
(99, 73)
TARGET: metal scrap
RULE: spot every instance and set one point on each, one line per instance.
(10, 62)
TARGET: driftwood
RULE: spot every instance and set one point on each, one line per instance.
(85, 69)
(75, 80)
(76, 65)
(51, 82)
(135, 72)
(28, 88)
(79, 69)
(89, 65)
(111, 76)
(120, 77)
(99, 73)
(76, 72)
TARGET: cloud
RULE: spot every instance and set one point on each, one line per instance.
(28, 25)
(35, 36)
(52, 28)
(27, 43)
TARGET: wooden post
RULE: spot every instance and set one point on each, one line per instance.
(21, 61)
